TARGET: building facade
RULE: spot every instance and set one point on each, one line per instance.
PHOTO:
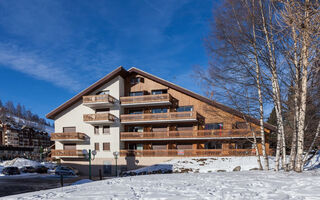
(147, 120)
(22, 141)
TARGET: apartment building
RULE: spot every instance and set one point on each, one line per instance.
(21, 141)
(147, 120)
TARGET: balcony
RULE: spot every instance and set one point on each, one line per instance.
(160, 117)
(187, 135)
(98, 101)
(187, 152)
(67, 153)
(146, 100)
(99, 118)
(68, 137)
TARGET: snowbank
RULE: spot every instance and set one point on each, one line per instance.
(227, 185)
(20, 162)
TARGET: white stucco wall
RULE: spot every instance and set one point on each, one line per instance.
(73, 116)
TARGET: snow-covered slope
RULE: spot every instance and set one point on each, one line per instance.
(227, 185)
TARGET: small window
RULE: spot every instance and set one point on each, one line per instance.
(159, 110)
(96, 130)
(139, 146)
(159, 92)
(185, 109)
(140, 93)
(214, 126)
(106, 146)
(106, 130)
(135, 129)
(96, 146)
(69, 129)
(136, 80)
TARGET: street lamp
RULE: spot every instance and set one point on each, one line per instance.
(88, 157)
(116, 155)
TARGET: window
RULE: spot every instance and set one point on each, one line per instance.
(136, 93)
(135, 129)
(159, 110)
(140, 111)
(103, 92)
(185, 109)
(106, 146)
(214, 126)
(96, 146)
(159, 92)
(69, 129)
(213, 145)
(136, 80)
(106, 130)
(102, 110)
(96, 130)
(139, 146)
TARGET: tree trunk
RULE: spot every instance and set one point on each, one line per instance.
(303, 93)
(276, 93)
(258, 77)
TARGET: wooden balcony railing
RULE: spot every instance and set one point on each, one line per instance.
(160, 116)
(105, 98)
(236, 133)
(68, 136)
(146, 99)
(98, 117)
(187, 152)
(66, 153)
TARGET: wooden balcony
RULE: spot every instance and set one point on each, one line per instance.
(67, 153)
(160, 117)
(98, 101)
(99, 118)
(146, 100)
(68, 137)
(187, 135)
(187, 152)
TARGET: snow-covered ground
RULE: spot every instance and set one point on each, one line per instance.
(204, 165)
(224, 185)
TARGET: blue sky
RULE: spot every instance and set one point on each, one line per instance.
(51, 50)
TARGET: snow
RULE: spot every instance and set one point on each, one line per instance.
(20, 162)
(224, 185)
(314, 163)
(82, 181)
(203, 165)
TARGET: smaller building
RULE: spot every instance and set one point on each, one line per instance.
(17, 140)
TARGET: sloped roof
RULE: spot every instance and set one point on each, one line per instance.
(121, 71)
